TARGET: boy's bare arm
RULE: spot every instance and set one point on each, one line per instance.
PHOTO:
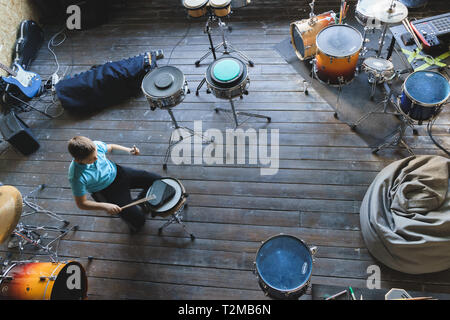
(85, 204)
(115, 148)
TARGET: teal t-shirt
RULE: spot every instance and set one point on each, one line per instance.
(84, 178)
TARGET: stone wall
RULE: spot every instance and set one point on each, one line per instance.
(12, 13)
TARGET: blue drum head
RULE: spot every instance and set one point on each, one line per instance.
(427, 88)
(284, 263)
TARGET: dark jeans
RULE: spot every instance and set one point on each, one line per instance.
(118, 193)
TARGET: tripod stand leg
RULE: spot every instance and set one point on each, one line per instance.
(200, 86)
(242, 55)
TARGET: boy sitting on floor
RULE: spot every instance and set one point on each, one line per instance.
(91, 172)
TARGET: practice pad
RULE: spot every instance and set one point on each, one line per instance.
(163, 82)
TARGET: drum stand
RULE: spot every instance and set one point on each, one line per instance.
(38, 209)
(224, 43)
(213, 48)
(172, 144)
(235, 114)
(28, 234)
(177, 218)
(397, 136)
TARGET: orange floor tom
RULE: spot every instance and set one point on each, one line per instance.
(338, 48)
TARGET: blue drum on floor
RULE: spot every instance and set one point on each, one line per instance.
(284, 266)
(423, 94)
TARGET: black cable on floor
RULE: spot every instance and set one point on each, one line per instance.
(429, 130)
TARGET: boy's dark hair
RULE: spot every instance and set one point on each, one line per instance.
(81, 147)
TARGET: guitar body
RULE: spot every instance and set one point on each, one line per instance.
(24, 82)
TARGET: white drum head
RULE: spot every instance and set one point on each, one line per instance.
(378, 64)
(369, 7)
(174, 201)
(219, 3)
(194, 4)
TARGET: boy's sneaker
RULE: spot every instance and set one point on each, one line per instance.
(159, 54)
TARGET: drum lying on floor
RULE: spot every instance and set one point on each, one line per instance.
(304, 32)
(44, 281)
(423, 94)
(284, 266)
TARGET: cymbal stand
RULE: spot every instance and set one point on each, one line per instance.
(311, 5)
(396, 137)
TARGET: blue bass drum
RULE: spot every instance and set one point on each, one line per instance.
(423, 94)
(284, 266)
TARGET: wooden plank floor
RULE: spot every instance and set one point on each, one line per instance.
(325, 169)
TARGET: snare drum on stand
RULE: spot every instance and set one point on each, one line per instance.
(338, 48)
(283, 266)
(379, 70)
(44, 281)
(196, 8)
(304, 32)
(165, 88)
(174, 207)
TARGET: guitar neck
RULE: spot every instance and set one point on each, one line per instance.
(9, 70)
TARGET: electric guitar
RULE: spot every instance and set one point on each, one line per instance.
(24, 83)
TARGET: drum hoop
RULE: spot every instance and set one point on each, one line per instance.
(182, 89)
(292, 290)
(347, 55)
(245, 79)
(222, 7)
(314, 70)
(292, 28)
(59, 263)
(6, 272)
(423, 104)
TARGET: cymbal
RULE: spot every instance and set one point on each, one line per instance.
(391, 14)
(10, 210)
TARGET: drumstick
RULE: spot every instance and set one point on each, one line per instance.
(408, 28)
(150, 197)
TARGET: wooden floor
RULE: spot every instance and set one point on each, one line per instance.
(325, 170)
